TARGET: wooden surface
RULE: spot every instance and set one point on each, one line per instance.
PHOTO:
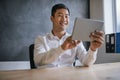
(107, 71)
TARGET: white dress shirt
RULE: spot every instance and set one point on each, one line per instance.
(48, 52)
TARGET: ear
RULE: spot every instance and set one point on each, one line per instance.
(51, 18)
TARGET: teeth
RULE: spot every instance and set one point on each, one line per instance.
(62, 23)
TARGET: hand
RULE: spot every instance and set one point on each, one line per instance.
(69, 43)
(97, 39)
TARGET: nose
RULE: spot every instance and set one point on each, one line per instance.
(63, 18)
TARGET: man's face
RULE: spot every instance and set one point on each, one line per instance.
(60, 19)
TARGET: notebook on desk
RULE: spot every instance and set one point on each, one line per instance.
(83, 27)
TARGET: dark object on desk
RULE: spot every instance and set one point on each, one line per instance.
(112, 43)
(31, 56)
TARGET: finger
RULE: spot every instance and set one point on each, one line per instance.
(96, 34)
(75, 43)
(69, 38)
(101, 33)
(78, 42)
(99, 40)
(97, 43)
(93, 35)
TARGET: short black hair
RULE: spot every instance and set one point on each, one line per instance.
(59, 6)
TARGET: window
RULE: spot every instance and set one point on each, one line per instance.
(117, 15)
(112, 16)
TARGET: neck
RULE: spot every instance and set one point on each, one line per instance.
(58, 34)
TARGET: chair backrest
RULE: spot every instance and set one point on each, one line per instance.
(31, 56)
(86, 44)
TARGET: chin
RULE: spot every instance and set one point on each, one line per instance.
(64, 26)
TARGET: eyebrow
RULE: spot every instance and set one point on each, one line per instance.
(62, 13)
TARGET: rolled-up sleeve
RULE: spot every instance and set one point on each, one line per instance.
(87, 58)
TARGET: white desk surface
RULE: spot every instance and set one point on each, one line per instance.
(106, 71)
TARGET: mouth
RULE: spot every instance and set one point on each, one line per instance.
(63, 23)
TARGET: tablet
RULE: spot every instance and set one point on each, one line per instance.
(83, 27)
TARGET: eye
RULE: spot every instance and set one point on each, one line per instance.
(60, 15)
(66, 16)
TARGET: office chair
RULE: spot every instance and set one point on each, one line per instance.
(31, 56)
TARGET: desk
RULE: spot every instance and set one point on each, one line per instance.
(107, 71)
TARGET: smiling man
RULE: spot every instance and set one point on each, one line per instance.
(58, 49)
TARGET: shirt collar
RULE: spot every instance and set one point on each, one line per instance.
(51, 36)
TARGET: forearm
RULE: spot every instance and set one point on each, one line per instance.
(89, 58)
(47, 57)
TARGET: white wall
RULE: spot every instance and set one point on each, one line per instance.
(96, 12)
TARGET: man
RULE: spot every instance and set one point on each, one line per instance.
(58, 49)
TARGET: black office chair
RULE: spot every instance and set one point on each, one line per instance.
(31, 56)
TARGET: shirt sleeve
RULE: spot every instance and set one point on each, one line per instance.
(87, 58)
(42, 55)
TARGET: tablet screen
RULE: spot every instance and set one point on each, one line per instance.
(83, 27)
